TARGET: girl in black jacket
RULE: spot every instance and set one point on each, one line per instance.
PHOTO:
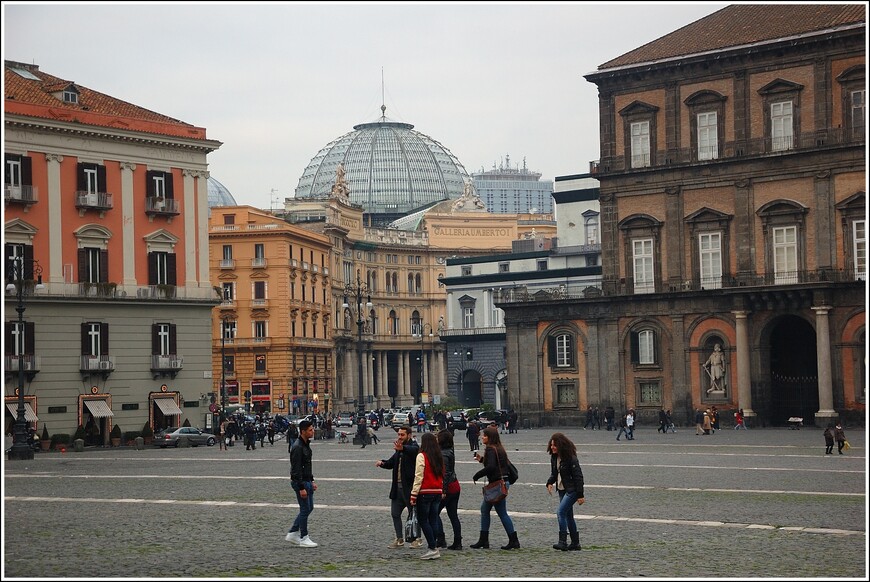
(452, 490)
(495, 467)
(566, 475)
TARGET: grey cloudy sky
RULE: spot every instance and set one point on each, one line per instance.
(275, 82)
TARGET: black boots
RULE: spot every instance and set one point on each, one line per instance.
(563, 541)
(483, 542)
(440, 541)
(513, 544)
(457, 543)
(575, 541)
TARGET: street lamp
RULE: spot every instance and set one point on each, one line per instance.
(20, 449)
(422, 330)
(357, 292)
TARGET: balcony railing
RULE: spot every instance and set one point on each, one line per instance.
(23, 194)
(227, 304)
(161, 206)
(29, 362)
(97, 363)
(812, 140)
(120, 291)
(258, 262)
(228, 263)
(259, 302)
(167, 363)
(95, 200)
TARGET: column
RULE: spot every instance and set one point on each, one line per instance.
(400, 379)
(348, 385)
(190, 230)
(203, 277)
(370, 376)
(409, 387)
(744, 378)
(55, 210)
(826, 411)
(427, 382)
(128, 234)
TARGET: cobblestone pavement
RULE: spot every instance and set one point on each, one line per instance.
(758, 503)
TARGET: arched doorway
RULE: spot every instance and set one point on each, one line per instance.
(470, 393)
(793, 371)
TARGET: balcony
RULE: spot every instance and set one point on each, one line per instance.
(24, 195)
(98, 289)
(228, 263)
(227, 304)
(101, 201)
(260, 303)
(169, 364)
(29, 362)
(258, 263)
(159, 206)
(157, 292)
(97, 364)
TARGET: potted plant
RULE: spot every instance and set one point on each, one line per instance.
(80, 433)
(60, 441)
(44, 440)
(130, 437)
(115, 436)
(147, 433)
(186, 422)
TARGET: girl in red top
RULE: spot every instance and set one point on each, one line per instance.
(426, 492)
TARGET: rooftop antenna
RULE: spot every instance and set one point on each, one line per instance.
(272, 199)
(383, 99)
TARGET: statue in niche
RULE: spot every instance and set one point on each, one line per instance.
(715, 368)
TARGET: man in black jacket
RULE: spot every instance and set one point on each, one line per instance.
(403, 464)
(302, 481)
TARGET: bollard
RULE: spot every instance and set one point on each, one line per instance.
(79, 445)
(140, 443)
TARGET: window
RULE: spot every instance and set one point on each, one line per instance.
(504, 267)
(710, 253)
(393, 322)
(20, 339)
(465, 270)
(416, 324)
(230, 364)
(373, 322)
(564, 351)
(859, 106)
(542, 264)
(70, 96)
(161, 268)
(159, 185)
(496, 315)
(93, 265)
(785, 254)
(13, 251)
(228, 252)
(231, 219)
(859, 248)
(642, 255)
(592, 230)
(781, 123)
(259, 256)
(260, 363)
(95, 338)
(229, 328)
(468, 317)
(18, 177)
(649, 393)
(260, 331)
(640, 145)
(708, 139)
(260, 290)
(348, 272)
(163, 337)
(91, 178)
(227, 292)
(566, 395)
(644, 351)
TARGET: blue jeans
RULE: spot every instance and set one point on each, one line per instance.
(306, 506)
(565, 511)
(427, 516)
(501, 510)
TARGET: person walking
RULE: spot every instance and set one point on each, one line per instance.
(840, 437)
(623, 427)
(699, 422)
(270, 432)
(292, 435)
(629, 424)
(452, 491)
(707, 423)
(829, 440)
(589, 418)
(472, 431)
(402, 463)
(740, 422)
(222, 441)
(250, 436)
(596, 419)
(714, 419)
(302, 482)
(426, 491)
(362, 429)
(609, 415)
(663, 421)
(567, 477)
(495, 466)
(670, 417)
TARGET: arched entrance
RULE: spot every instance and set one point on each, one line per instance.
(470, 393)
(793, 371)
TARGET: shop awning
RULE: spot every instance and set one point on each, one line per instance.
(167, 406)
(99, 408)
(29, 414)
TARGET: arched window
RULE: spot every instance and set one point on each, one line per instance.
(393, 323)
(415, 323)
(373, 321)
(560, 350)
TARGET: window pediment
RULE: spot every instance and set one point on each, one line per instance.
(704, 97)
(638, 108)
(780, 86)
(782, 208)
(92, 235)
(855, 73)
(856, 201)
(467, 300)
(638, 221)
(708, 215)
(590, 213)
(19, 232)
(160, 240)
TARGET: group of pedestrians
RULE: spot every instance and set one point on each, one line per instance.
(423, 480)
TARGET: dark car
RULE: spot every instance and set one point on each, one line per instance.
(498, 416)
(460, 422)
(171, 437)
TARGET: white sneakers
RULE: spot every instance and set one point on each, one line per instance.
(431, 555)
(294, 538)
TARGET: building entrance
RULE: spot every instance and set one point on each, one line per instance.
(793, 371)
(470, 393)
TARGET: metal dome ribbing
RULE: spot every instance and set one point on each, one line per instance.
(390, 168)
(218, 195)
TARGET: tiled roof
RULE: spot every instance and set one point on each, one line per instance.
(34, 98)
(740, 25)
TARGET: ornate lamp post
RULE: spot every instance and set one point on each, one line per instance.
(422, 330)
(357, 292)
(20, 450)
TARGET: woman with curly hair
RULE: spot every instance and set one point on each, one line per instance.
(567, 477)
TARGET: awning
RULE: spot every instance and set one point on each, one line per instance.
(99, 408)
(29, 414)
(167, 406)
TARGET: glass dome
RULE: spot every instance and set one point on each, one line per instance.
(218, 195)
(389, 168)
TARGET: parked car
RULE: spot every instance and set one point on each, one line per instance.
(460, 421)
(171, 437)
(488, 416)
(344, 419)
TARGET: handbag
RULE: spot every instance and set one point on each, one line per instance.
(513, 474)
(846, 445)
(412, 526)
(494, 492)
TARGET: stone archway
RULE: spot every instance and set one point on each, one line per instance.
(471, 390)
(793, 371)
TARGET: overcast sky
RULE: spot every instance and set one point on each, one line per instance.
(275, 82)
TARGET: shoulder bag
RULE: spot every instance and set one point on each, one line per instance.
(412, 526)
(495, 491)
